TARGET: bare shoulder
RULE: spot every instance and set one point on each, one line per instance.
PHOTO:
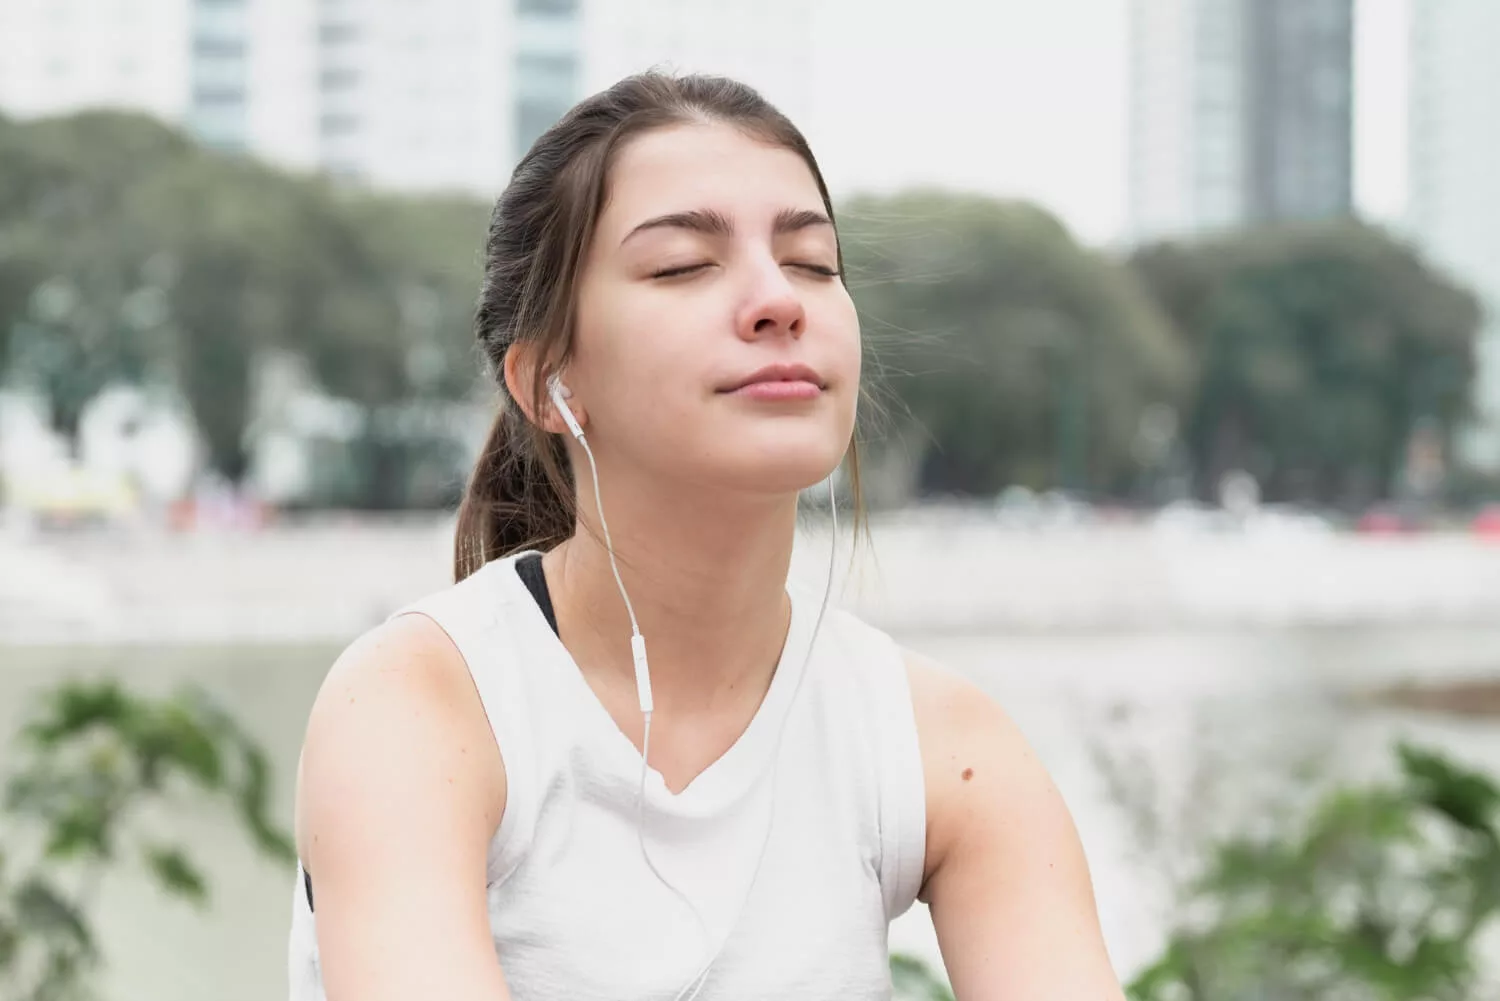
(396, 714)
(973, 754)
(1006, 876)
(400, 790)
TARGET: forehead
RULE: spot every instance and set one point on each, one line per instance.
(697, 166)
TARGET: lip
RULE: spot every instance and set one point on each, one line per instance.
(771, 374)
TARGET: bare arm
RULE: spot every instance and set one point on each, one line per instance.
(1006, 877)
(400, 790)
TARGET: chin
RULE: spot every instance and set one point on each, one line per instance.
(785, 464)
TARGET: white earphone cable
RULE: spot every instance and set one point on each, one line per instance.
(702, 976)
(643, 682)
(609, 546)
(646, 712)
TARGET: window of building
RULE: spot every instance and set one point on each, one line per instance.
(532, 119)
(218, 96)
(337, 33)
(220, 76)
(546, 87)
(338, 78)
(547, 76)
(219, 19)
(336, 123)
(218, 47)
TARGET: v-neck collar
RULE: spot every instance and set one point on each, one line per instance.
(726, 778)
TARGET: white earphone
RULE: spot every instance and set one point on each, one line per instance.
(560, 395)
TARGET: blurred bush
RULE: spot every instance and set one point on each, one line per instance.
(914, 980)
(1381, 893)
(90, 762)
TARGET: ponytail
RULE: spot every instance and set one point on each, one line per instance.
(519, 497)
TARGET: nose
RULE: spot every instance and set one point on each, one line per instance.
(772, 307)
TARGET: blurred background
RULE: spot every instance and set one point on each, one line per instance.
(1183, 323)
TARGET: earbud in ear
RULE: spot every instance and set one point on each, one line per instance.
(560, 395)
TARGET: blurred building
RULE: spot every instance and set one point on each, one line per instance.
(1241, 112)
(219, 72)
(252, 67)
(234, 72)
(439, 95)
(548, 70)
(768, 44)
(1454, 181)
(58, 56)
(415, 96)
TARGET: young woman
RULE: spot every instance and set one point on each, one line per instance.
(622, 757)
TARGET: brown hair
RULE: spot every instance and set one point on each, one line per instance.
(521, 493)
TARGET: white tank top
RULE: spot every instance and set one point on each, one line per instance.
(576, 913)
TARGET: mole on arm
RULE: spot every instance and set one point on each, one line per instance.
(968, 774)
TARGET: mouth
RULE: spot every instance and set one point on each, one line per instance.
(786, 377)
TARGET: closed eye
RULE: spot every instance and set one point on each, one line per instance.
(677, 272)
(822, 271)
(817, 269)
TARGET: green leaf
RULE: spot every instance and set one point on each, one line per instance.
(72, 709)
(176, 873)
(254, 798)
(913, 980)
(1466, 797)
(42, 910)
(1362, 898)
(10, 944)
(191, 746)
(83, 831)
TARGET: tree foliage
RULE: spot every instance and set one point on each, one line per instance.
(92, 759)
(1319, 350)
(1006, 351)
(1381, 894)
(129, 254)
(1025, 358)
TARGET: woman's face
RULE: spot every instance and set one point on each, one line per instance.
(716, 345)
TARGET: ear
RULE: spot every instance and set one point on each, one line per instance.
(519, 370)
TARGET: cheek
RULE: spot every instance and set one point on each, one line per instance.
(844, 343)
(644, 374)
(846, 359)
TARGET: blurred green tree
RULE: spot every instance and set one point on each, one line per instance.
(72, 289)
(129, 254)
(1382, 894)
(1023, 357)
(21, 176)
(88, 763)
(402, 344)
(1320, 350)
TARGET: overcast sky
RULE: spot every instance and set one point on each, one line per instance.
(1027, 97)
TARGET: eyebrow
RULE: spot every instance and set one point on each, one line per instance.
(711, 222)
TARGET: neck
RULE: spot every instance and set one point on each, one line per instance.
(707, 580)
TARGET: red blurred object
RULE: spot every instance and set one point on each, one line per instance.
(1487, 523)
(1381, 522)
